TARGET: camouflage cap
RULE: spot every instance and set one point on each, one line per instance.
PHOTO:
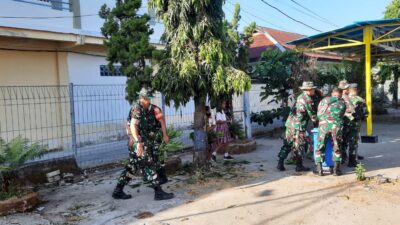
(145, 93)
(343, 84)
(307, 85)
(353, 85)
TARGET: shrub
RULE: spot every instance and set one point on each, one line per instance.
(12, 156)
(360, 172)
(174, 143)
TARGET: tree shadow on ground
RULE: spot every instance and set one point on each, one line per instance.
(306, 202)
(382, 155)
(379, 156)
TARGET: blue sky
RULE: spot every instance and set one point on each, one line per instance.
(334, 12)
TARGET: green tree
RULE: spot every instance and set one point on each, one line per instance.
(199, 61)
(352, 71)
(238, 42)
(127, 42)
(281, 72)
(392, 70)
(392, 10)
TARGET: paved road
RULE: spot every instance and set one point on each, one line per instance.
(270, 197)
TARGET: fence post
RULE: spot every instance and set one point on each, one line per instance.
(72, 114)
(247, 114)
(163, 104)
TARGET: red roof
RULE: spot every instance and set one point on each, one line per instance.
(282, 37)
(261, 42)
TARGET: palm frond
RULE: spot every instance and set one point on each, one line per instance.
(16, 152)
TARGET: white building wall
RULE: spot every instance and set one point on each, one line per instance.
(85, 69)
(94, 23)
(97, 98)
(90, 22)
(33, 8)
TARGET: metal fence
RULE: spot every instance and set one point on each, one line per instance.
(40, 113)
(88, 121)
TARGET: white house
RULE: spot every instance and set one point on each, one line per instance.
(45, 45)
(69, 27)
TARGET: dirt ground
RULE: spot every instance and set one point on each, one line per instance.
(248, 191)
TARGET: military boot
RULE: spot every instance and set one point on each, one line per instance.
(119, 193)
(162, 174)
(344, 157)
(281, 166)
(300, 167)
(318, 169)
(159, 194)
(352, 161)
(336, 169)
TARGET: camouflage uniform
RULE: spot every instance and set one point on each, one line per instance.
(347, 124)
(355, 125)
(131, 167)
(288, 141)
(296, 127)
(150, 132)
(330, 115)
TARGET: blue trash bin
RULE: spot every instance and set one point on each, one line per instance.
(328, 163)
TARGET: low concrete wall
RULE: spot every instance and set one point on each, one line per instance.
(36, 173)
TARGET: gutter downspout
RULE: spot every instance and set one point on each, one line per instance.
(76, 12)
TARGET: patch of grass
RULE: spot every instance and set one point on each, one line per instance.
(290, 162)
(12, 192)
(232, 163)
(205, 174)
(360, 172)
(135, 185)
(79, 206)
(76, 218)
(144, 215)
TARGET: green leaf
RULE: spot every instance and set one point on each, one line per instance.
(16, 152)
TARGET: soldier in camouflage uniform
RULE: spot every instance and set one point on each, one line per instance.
(355, 125)
(161, 170)
(148, 130)
(301, 113)
(331, 111)
(288, 141)
(347, 119)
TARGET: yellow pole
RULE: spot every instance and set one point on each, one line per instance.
(368, 88)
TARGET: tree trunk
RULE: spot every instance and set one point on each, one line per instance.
(395, 87)
(5, 182)
(200, 137)
(230, 103)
